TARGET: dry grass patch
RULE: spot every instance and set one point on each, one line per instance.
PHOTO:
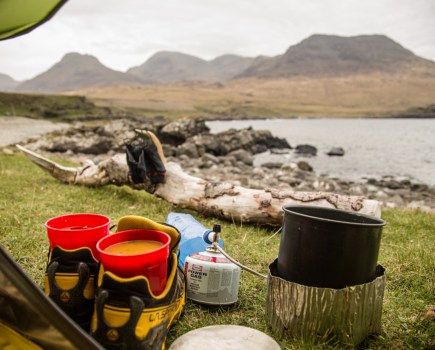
(347, 96)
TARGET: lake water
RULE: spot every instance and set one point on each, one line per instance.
(373, 147)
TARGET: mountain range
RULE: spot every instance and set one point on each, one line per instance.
(316, 56)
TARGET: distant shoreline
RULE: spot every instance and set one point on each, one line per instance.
(317, 117)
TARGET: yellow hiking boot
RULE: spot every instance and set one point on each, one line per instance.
(128, 316)
(70, 283)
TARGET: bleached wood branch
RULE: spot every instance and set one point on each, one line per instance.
(222, 199)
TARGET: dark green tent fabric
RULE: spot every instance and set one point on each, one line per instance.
(18, 17)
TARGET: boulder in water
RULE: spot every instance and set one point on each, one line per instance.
(306, 150)
(336, 151)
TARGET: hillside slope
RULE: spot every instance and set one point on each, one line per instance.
(76, 71)
(169, 67)
(363, 95)
(328, 55)
(7, 83)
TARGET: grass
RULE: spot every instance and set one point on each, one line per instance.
(371, 95)
(28, 197)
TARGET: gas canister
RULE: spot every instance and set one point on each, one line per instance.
(211, 278)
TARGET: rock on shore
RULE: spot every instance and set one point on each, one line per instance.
(229, 156)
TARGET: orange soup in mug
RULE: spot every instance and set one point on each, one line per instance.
(133, 247)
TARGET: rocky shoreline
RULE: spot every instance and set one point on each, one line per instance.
(228, 156)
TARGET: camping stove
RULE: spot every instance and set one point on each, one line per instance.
(212, 278)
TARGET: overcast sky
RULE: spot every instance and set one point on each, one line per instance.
(123, 34)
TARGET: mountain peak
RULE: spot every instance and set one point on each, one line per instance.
(173, 55)
(360, 44)
(76, 71)
(322, 54)
(7, 83)
(167, 67)
(74, 60)
(71, 56)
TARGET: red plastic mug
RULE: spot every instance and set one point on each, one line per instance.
(75, 231)
(151, 264)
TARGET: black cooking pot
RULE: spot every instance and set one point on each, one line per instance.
(328, 248)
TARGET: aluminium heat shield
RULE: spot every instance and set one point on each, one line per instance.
(349, 314)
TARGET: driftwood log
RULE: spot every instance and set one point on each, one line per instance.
(221, 199)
